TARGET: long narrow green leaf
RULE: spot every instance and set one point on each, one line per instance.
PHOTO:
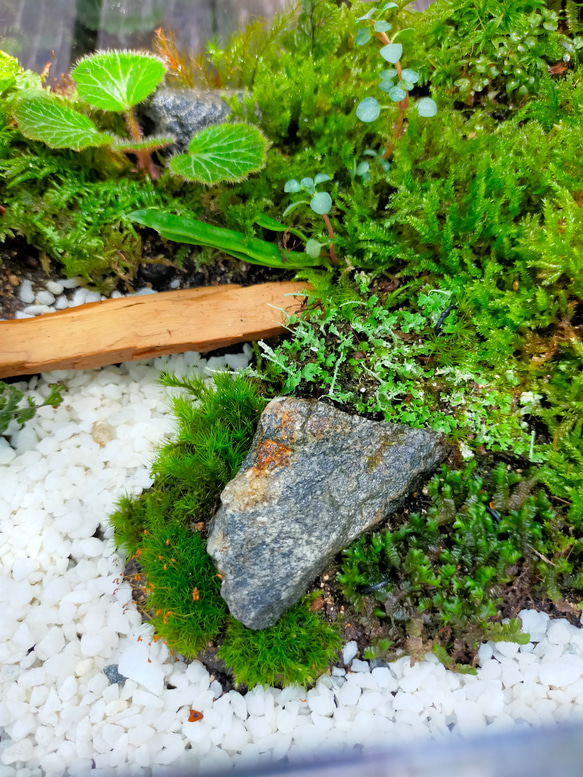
(44, 118)
(182, 229)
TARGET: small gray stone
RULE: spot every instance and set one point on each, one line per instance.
(314, 480)
(113, 675)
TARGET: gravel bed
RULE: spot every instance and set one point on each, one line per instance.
(65, 619)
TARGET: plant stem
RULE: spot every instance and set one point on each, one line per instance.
(403, 105)
(144, 157)
(331, 236)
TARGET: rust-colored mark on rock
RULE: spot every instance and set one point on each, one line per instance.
(271, 454)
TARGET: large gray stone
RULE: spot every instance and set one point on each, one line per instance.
(314, 480)
(184, 112)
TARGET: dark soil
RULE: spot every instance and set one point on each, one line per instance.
(163, 269)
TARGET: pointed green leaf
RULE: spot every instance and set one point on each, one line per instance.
(368, 110)
(392, 52)
(292, 186)
(321, 203)
(55, 123)
(117, 80)
(426, 107)
(368, 15)
(226, 152)
(293, 206)
(249, 249)
(362, 36)
(153, 143)
(382, 26)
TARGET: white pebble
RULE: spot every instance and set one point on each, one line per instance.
(45, 298)
(25, 292)
(349, 652)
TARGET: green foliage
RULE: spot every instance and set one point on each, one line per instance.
(183, 229)
(110, 81)
(161, 529)
(55, 203)
(476, 49)
(227, 152)
(117, 80)
(298, 648)
(10, 404)
(449, 569)
(378, 357)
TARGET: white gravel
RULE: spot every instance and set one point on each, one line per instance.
(64, 617)
(63, 294)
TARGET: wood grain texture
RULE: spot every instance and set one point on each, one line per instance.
(132, 328)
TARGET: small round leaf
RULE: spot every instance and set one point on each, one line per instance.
(362, 168)
(426, 107)
(321, 203)
(292, 186)
(397, 94)
(386, 86)
(410, 75)
(368, 110)
(382, 26)
(362, 36)
(386, 75)
(321, 177)
(406, 85)
(307, 184)
(392, 52)
(313, 248)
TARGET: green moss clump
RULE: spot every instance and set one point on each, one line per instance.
(298, 648)
(449, 571)
(163, 530)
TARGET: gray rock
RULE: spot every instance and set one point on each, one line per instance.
(111, 671)
(314, 480)
(184, 112)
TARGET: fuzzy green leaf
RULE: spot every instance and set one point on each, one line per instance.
(227, 152)
(392, 52)
(117, 80)
(55, 123)
(368, 110)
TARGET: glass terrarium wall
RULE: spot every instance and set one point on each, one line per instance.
(39, 32)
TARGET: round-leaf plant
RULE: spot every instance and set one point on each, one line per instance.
(320, 203)
(369, 109)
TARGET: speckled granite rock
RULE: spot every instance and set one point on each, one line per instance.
(314, 479)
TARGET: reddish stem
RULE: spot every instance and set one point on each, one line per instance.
(331, 236)
(144, 157)
(403, 105)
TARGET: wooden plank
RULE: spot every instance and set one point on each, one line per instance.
(132, 328)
